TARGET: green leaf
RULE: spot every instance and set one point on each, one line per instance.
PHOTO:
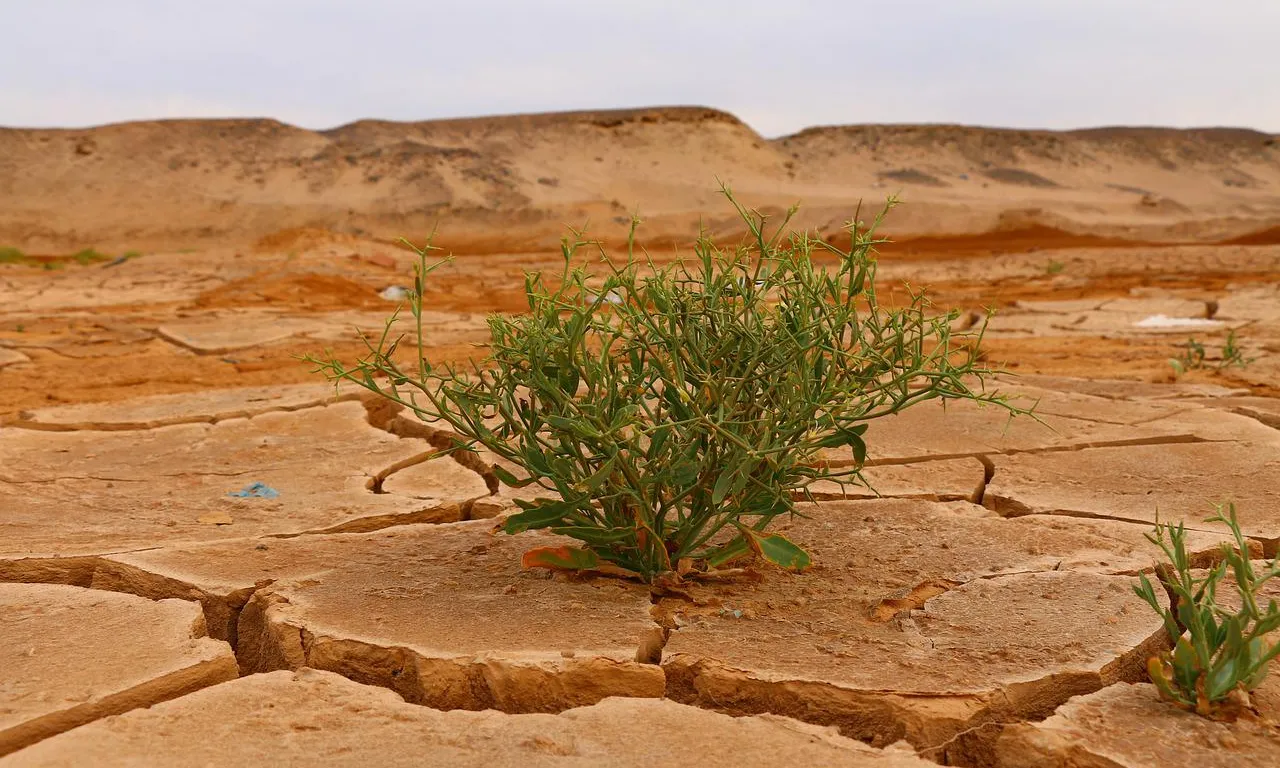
(627, 414)
(766, 505)
(542, 513)
(572, 426)
(597, 479)
(684, 473)
(729, 552)
(778, 550)
(1186, 669)
(1257, 672)
(1222, 679)
(657, 441)
(851, 437)
(508, 479)
(534, 459)
(1156, 672)
(728, 478)
(560, 559)
(858, 447)
(562, 423)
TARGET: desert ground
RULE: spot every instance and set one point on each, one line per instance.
(976, 608)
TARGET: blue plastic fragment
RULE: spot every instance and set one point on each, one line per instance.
(257, 491)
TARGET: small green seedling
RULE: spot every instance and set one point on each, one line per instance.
(1195, 356)
(1233, 354)
(676, 410)
(1191, 359)
(1219, 654)
(1054, 268)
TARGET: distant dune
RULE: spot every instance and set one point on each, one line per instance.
(513, 183)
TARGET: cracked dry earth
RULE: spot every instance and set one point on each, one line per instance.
(978, 611)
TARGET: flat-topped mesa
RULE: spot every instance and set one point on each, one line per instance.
(363, 130)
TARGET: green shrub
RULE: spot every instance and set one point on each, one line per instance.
(678, 409)
(11, 255)
(1219, 654)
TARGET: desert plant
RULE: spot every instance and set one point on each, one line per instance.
(1191, 359)
(1233, 353)
(676, 410)
(1219, 653)
(1195, 357)
(1054, 268)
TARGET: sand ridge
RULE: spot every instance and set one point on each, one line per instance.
(242, 180)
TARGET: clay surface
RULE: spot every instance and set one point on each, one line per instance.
(919, 622)
(164, 410)
(1129, 727)
(85, 492)
(70, 656)
(1175, 482)
(448, 618)
(317, 718)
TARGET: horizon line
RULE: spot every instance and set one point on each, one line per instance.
(559, 115)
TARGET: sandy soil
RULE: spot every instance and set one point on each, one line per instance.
(981, 613)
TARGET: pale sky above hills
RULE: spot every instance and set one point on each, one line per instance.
(780, 66)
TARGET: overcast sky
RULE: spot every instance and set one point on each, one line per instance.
(780, 65)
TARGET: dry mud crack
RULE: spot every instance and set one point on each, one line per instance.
(208, 407)
(71, 656)
(1128, 726)
(1016, 617)
(446, 617)
(334, 721)
(982, 614)
(928, 623)
(84, 493)
(1179, 483)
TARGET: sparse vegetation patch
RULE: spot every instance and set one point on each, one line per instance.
(1195, 356)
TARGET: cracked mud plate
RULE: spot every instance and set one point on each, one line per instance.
(322, 719)
(69, 656)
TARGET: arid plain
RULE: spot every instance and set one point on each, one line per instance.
(977, 611)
